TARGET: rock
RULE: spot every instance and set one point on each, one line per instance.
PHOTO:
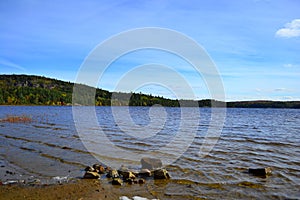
(112, 174)
(151, 163)
(145, 173)
(135, 181)
(95, 166)
(89, 169)
(128, 175)
(260, 171)
(107, 169)
(91, 175)
(122, 170)
(142, 181)
(99, 168)
(129, 181)
(117, 181)
(136, 173)
(161, 174)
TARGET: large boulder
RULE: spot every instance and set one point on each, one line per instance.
(151, 163)
(91, 175)
(161, 174)
(260, 171)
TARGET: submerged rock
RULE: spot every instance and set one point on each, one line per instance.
(91, 175)
(260, 171)
(161, 174)
(151, 163)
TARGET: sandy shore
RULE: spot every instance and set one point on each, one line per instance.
(83, 189)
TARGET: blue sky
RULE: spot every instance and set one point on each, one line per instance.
(255, 44)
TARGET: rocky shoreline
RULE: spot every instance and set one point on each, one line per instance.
(151, 168)
(98, 182)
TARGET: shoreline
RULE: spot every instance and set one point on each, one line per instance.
(83, 189)
(228, 105)
(15, 185)
(77, 189)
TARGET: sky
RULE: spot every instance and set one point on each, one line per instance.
(254, 44)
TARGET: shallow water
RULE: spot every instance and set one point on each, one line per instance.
(50, 148)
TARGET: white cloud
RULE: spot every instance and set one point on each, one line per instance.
(291, 29)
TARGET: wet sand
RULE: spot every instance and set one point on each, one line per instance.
(82, 189)
(77, 190)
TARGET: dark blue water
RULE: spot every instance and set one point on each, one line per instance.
(52, 147)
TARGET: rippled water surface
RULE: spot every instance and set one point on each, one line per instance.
(50, 147)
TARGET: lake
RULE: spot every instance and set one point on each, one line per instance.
(55, 146)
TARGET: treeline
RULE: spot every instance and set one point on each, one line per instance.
(264, 104)
(33, 90)
(37, 90)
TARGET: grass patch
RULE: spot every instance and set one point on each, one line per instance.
(16, 119)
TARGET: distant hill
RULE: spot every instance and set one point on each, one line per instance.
(38, 90)
(264, 104)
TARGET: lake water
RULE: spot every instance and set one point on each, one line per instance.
(50, 148)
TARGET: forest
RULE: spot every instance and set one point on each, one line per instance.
(38, 90)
